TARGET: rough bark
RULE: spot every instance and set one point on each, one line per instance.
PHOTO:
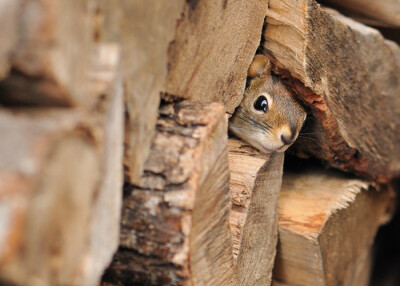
(174, 228)
(327, 226)
(50, 58)
(349, 72)
(379, 13)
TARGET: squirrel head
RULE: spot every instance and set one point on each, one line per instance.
(269, 118)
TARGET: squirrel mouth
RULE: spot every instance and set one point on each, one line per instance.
(267, 150)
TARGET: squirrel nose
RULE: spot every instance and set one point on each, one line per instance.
(286, 140)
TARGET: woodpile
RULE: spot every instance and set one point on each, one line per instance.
(115, 162)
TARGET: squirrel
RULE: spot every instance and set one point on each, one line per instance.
(269, 118)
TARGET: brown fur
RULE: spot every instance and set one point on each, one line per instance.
(284, 117)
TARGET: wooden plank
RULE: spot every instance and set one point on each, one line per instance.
(174, 228)
(347, 73)
(49, 61)
(327, 226)
(379, 13)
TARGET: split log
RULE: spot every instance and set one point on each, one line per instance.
(49, 172)
(60, 208)
(327, 226)
(103, 233)
(181, 50)
(379, 13)
(349, 72)
(255, 186)
(8, 32)
(206, 63)
(174, 228)
(49, 62)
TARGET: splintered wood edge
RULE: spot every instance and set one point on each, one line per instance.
(255, 186)
(323, 219)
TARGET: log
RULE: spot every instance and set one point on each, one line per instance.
(379, 13)
(103, 233)
(174, 227)
(205, 63)
(347, 73)
(327, 225)
(8, 31)
(49, 62)
(60, 206)
(159, 45)
(49, 172)
(255, 186)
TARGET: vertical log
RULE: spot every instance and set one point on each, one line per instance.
(174, 228)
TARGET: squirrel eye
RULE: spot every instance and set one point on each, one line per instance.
(261, 104)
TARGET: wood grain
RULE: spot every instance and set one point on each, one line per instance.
(346, 72)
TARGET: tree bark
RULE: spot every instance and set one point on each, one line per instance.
(174, 228)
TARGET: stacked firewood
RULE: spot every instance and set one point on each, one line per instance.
(115, 161)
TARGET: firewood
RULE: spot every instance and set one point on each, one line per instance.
(49, 61)
(61, 206)
(8, 32)
(327, 225)
(206, 62)
(255, 186)
(347, 73)
(174, 228)
(379, 13)
(49, 171)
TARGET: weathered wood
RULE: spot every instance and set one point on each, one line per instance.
(145, 41)
(327, 226)
(8, 32)
(255, 186)
(103, 233)
(49, 61)
(206, 63)
(350, 76)
(245, 163)
(49, 170)
(174, 228)
(379, 13)
(61, 206)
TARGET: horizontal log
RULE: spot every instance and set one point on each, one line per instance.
(50, 60)
(379, 13)
(174, 228)
(327, 225)
(347, 73)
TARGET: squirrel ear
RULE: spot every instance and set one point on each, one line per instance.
(260, 66)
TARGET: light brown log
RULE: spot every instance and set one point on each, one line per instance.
(103, 232)
(174, 228)
(206, 62)
(327, 226)
(49, 170)
(350, 76)
(49, 62)
(60, 206)
(380, 13)
(8, 33)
